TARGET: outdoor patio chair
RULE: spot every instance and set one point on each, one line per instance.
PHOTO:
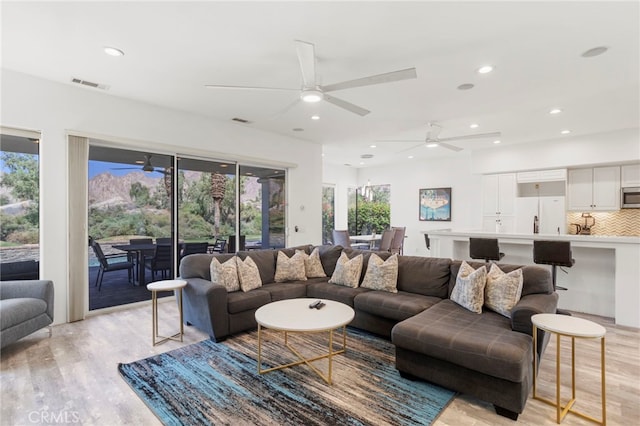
(161, 261)
(192, 248)
(219, 246)
(105, 266)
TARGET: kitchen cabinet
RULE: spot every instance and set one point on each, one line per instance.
(542, 176)
(498, 202)
(630, 176)
(594, 189)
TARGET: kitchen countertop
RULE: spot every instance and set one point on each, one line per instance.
(530, 236)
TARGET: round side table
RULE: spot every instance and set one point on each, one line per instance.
(575, 328)
(166, 285)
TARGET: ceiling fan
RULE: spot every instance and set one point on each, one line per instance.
(432, 140)
(313, 92)
(146, 166)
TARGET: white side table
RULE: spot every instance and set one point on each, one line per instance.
(166, 285)
(575, 328)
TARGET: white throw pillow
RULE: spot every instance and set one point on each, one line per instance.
(248, 274)
(312, 264)
(225, 273)
(382, 274)
(290, 268)
(347, 272)
(503, 291)
(469, 289)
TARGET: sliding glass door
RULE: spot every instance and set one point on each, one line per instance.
(262, 207)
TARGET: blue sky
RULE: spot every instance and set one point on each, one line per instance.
(97, 167)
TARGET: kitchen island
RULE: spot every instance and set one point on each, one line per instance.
(605, 279)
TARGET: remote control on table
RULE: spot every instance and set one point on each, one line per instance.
(315, 304)
(320, 305)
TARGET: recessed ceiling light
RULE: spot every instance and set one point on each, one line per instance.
(594, 52)
(311, 95)
(474, 126)
(372, 146)
(565, 132)
(496, 142)
(432, 145)
(361, 163)
(465, 86)
(410, 157)
(315, 117)
(485, 69)
(112, 51)
(555, 111)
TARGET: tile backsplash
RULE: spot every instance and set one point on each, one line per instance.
(625, 222)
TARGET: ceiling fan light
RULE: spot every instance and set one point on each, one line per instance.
(311, 95)
(432, 144)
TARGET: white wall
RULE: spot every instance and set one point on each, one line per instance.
(56, 109)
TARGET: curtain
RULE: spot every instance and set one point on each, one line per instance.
(78, 254)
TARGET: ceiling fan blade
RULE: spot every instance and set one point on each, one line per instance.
(451, 147)
(346, 105)
(220, 86)
(307, 58)
(476, 136)
(283, 110)
(409, 149)
(399, 140)
(374, 79)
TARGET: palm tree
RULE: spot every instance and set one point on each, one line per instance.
(218, 187)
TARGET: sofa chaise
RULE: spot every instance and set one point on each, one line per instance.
(487, 355)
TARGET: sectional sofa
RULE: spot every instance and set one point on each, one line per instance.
(488, 355)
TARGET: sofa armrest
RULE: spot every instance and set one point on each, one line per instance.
(530, 305)
(37, 289)
(205, 306)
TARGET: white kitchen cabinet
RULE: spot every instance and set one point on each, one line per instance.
(594, 189)
(542, 176)
(630, 175)
(498, 202)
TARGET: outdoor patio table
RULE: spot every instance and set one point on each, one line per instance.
(139, 249)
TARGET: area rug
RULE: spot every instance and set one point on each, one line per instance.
(211, 383)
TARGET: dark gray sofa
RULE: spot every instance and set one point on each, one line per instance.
(486, 355)
(25, 307)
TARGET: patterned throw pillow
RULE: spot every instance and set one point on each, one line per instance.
(225, 273)
(382, 274)
(312, 264)
(347, 271)
(290, 268)
(502, 291)
(248, 274)
(469, 289)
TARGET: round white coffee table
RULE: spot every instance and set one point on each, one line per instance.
(575, 328)
(166, 285)
(295, 316)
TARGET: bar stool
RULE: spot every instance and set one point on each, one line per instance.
(484, 248)
(554, 253)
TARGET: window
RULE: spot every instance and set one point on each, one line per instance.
(369, 209)
(19, 200)
(328, 213)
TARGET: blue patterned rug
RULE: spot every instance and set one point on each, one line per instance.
(217, 383)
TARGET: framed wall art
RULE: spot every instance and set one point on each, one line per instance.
(435, 204)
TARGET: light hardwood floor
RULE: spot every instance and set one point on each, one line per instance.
(72, 377)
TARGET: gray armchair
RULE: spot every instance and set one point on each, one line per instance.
(25, 307)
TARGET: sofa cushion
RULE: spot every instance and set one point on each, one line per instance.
(381, 274)
(290, 268)
(290, 251)
(366, 255)
(535, 279)
(502, 290)
(469, 289)
(20, 309)
(240, 301)
(289, 290)
(248, 274)
(313, 264)
(329, 256)
(265, 260)
(398, 306)
(347, 271)
(484, 343)
(225, 274)
(324, 290)
(424, 275)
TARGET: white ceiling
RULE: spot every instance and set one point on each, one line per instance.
(172, 49)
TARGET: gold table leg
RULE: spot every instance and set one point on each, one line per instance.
(156, 338)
